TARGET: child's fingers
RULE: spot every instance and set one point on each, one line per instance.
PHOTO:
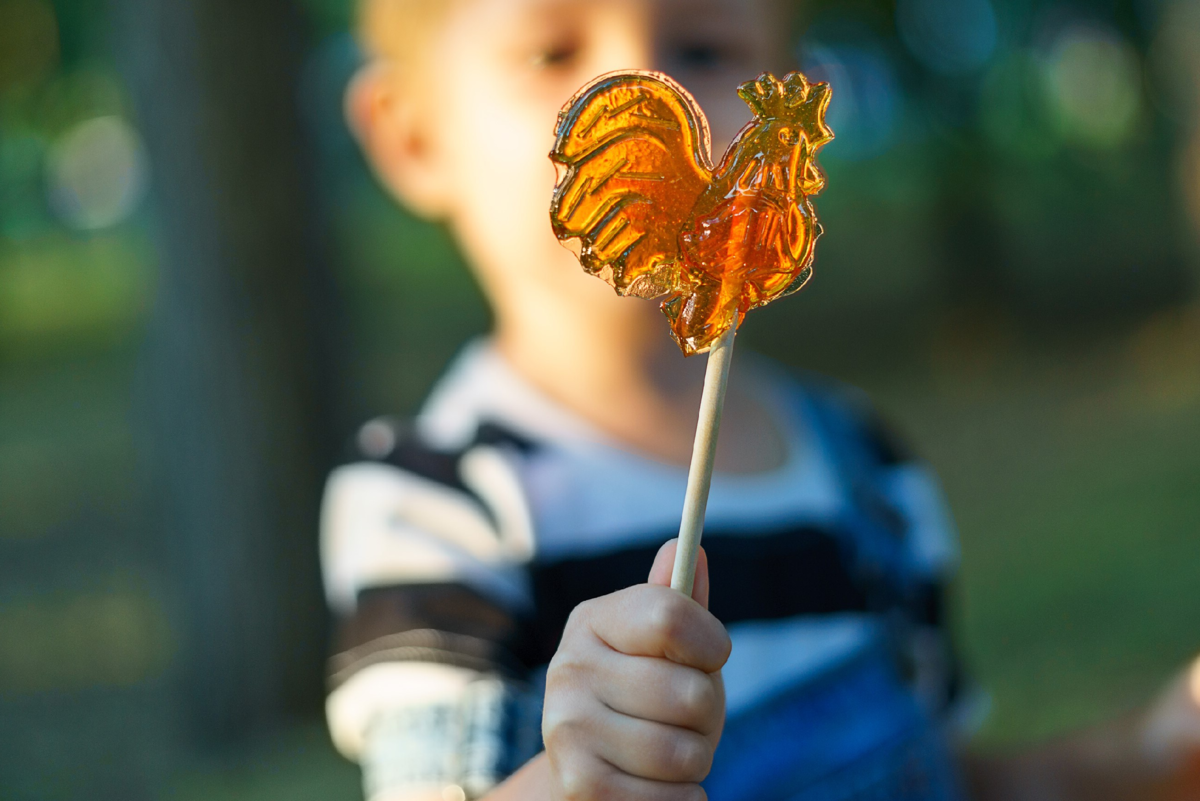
(654, 689)
(651, 750)
(664, 562)
(645, 620)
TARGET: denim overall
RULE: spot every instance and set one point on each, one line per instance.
(856, 732)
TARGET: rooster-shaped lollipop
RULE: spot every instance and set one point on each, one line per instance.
(639, 201)
(651, 216)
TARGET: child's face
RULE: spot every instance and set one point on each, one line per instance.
(472, 146)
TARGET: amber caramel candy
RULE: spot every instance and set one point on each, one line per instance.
(640, 203)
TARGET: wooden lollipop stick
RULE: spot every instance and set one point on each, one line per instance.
(695, 500)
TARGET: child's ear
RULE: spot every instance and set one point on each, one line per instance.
(385, 119)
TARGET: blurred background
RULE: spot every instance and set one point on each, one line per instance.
(202, 292)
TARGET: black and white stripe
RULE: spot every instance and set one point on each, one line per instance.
(454, 550)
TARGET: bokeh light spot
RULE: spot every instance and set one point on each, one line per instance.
(948, 36)
(1094, 80)
(97, 173)
(866, 101)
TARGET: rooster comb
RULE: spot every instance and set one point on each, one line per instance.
(793, 98)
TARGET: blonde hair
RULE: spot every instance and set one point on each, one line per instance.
(399, 30)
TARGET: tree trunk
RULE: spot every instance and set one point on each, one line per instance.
(240, 378)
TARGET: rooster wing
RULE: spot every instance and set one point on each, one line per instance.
(632, 152)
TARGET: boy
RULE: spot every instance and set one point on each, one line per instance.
(494, 554)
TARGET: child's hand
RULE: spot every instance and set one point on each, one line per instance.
(634, 698)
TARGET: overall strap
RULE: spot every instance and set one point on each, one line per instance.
(861, 454)
(909, 598)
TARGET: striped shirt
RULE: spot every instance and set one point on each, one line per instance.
(455, 546)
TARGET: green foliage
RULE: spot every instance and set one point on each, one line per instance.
(328, 16)
(62, 293)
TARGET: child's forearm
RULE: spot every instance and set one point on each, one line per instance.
(1150, 756)
(1104, 764)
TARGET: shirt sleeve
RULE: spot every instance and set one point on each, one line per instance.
(423, 556)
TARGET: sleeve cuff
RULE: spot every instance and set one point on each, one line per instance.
(428, 728)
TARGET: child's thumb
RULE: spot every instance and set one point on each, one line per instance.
(660, 573)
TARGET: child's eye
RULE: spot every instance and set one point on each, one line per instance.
(558, 55)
